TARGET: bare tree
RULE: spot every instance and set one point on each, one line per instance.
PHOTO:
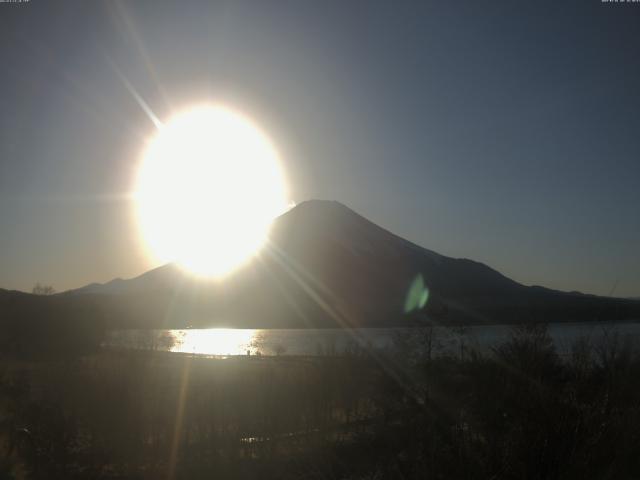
(460, 335)
(279, 349)
(40, 289)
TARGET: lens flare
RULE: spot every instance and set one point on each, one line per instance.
(417, 296)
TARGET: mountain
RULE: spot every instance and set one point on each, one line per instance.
(325, 266)
(158, 279)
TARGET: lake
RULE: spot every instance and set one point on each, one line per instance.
(224, 342)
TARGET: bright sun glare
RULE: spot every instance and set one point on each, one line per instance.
(208, 188)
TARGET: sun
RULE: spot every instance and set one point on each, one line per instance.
(208, 188)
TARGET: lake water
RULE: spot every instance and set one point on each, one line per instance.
(223, 342)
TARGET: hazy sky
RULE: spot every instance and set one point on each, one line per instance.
(506, 132)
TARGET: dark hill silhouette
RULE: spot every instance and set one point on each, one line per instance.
(326, 266)
(158, 279)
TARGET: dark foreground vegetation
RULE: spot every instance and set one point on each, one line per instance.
(518, 412)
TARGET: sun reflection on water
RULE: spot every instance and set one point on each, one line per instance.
(216, 341)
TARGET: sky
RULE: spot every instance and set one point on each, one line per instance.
(505, 132)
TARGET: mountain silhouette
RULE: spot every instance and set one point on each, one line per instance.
(326, 266)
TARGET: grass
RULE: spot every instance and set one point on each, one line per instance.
(517, 412)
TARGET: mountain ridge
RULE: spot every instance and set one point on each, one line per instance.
(325, 265)
(326, 260)
(313, 203)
